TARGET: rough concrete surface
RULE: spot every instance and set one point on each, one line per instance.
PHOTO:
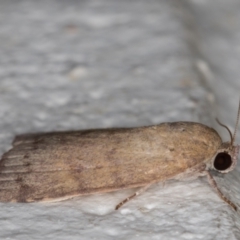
(100, 63)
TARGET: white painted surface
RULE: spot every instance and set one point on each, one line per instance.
(77, 65)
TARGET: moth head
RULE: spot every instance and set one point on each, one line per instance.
(226, 158)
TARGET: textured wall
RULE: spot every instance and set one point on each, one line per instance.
(100, 63)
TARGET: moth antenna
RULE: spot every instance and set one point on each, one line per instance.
(236, 126)
(231, 136)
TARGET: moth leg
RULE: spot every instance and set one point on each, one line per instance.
(213, 183)
(141, 190)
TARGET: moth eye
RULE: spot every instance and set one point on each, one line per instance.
(222, 161)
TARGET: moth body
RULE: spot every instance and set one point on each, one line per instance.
(50, 166)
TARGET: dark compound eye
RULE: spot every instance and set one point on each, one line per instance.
(222, 161)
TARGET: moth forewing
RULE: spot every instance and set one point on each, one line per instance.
(55, 165)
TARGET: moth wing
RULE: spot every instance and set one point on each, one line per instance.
(49, 166)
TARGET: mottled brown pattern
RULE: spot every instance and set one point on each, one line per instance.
(55, 165)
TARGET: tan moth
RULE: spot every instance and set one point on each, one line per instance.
(62, 165)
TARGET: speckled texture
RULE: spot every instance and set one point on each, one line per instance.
(99, 63)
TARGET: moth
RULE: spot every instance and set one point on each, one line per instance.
(61, 165)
